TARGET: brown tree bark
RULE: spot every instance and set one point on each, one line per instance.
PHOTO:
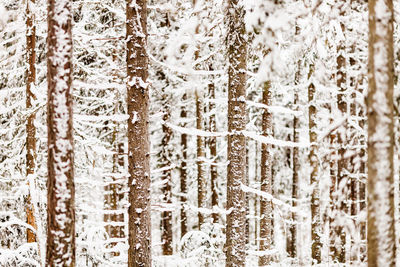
(183, 171)
(139, 239)
(60, 184)
(166, 223)
(213, 152)
(114, 190)
(201, 174)
(291, 246)
(30, 127)
(266, 211)
(338, 234)
(291, 243)
(312, 157)
(236, 201)
(381, 232)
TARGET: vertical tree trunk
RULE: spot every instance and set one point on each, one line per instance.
(201, 175)
(60, 184)
(381, 234)
(30, 127)
(266, 212)
(139, 252)
(113, 190)
(291, 244)
(183, 170)
(213, 151)
(314, 182)
(237, 54)
(339, 235)
(166, 235)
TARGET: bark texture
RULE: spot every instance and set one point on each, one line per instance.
(139, 252)
(183, 171)
(312, 157)
(30, 127)
(60, 184)
(266, 212)
(338, 234)
(381, 234)
(236, 201)
(213, 151)
(292, 241)
(166, 223)
(201, 174)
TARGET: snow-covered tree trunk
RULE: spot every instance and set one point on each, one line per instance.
(60, 184)
(314, 181)
(338, 234)
(201, 174)
(381, 234)
(266, 213)
(236, 200)
(166, 223)
(183, 170)
(292, 240)
(30, 127)
(139, 252)
(213, 150)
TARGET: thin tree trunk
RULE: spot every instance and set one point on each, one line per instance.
(139, 252)
(339, 234)
(166, 235)
(30, 127)
(60, 184)
(291, 243)
(314, 182)
(266, 212)
(213, 152)
(183, 171)
(381, 234)
(201, 175)
(236, 200)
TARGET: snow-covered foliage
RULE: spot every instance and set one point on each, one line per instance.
(292, 44)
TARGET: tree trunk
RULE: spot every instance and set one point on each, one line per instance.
(60, 184)
(201, 175)
(314, 182)
(338, 231)
(213, 152)
(166, 235)
(236, 202)
(30, 127)
(266, 212)
(381, 234)
(139, 252)
(183, 170)
(291, 244)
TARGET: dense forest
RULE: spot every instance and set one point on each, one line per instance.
(199, 133)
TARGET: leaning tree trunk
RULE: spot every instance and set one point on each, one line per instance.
(236, 200)
(266, 212)
(381, 234)
(315, 207)
(139, 225)
(30, 127)
(60, 183)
